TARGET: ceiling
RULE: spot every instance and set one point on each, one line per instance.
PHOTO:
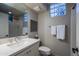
(20, 8)
(6, 9)
(37, 7)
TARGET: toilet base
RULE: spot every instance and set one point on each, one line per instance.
(44, 54)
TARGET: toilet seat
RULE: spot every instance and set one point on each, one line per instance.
(45, 50)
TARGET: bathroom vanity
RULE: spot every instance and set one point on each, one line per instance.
(24, 47)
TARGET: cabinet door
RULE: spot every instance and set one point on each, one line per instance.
(31, 51)
(21, 54)
(24, 53)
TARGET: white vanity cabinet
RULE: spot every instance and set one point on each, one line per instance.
(30, 51)
(24, 47)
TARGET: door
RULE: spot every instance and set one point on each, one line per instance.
(73, 29)
(77, 26)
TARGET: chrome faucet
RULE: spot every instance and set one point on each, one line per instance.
(17, 39)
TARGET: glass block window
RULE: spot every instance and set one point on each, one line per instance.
(25, 17)
(25, 20)
(57, 9)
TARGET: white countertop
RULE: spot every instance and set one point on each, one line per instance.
(6, 50)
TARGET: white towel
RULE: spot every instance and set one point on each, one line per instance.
(53, 30)
(61, 32)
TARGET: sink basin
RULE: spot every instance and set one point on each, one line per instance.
(21, 43)
(17, 44)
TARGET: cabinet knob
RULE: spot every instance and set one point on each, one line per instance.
(28, 51)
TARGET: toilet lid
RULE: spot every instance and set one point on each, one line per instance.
(43, 48)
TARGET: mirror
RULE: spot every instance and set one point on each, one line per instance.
(19, 26)
(12, 22)
(15, 27)
(25, 23)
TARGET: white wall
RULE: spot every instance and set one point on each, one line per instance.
(32, 16)
(58, 47)
(3, 24)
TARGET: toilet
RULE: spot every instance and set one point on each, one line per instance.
(45, 51)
